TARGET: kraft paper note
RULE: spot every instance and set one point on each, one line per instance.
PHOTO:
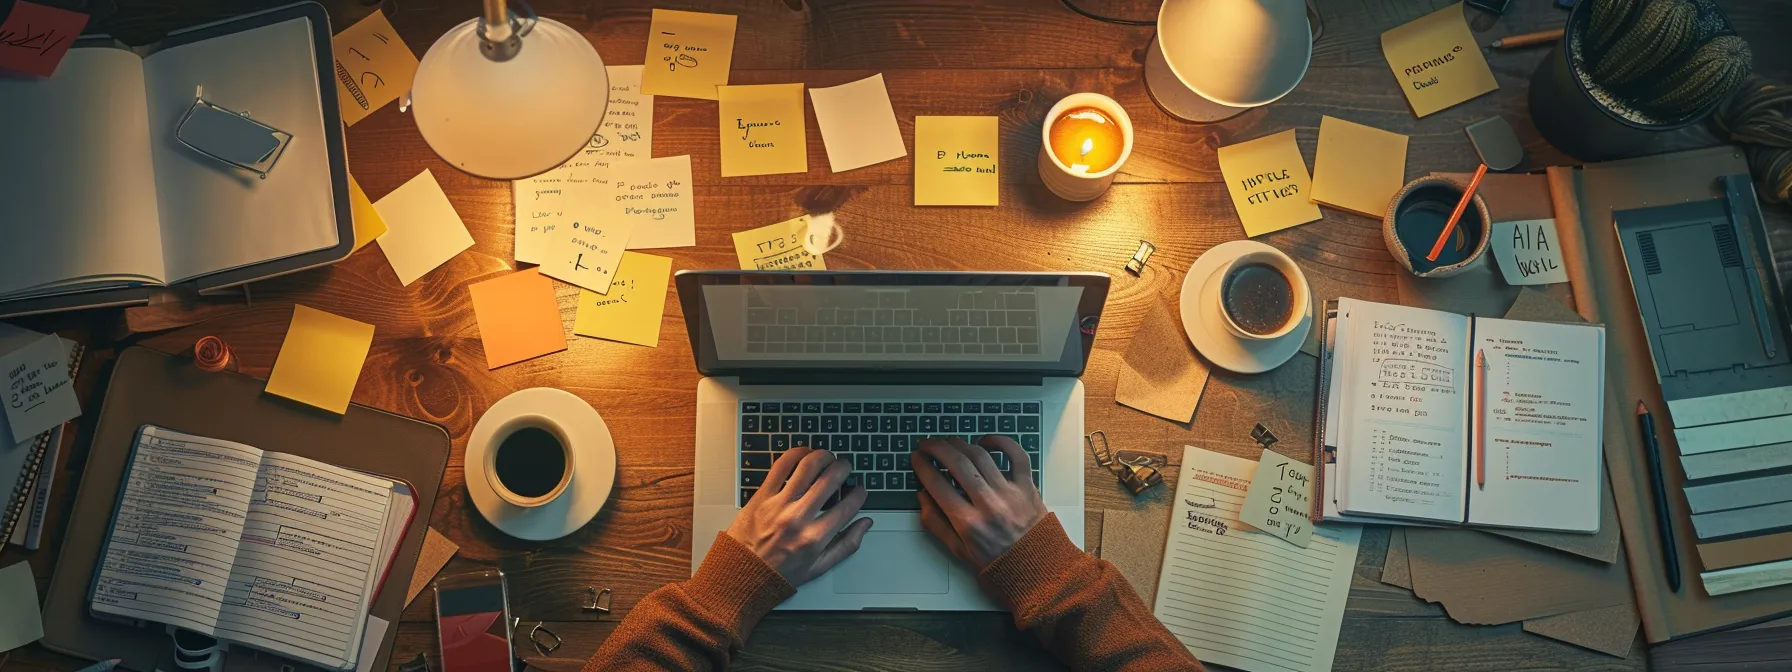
(1358, 168)
(518, 317)
(777, 247)
(422, 229)
(321, 359)
(1160, 373)
(1437, 61)
(858, 125)
(368, 224)
(955, 160)
(373, 67)
(1269, 183)
(688, 54)
(631, 312)
(763, 130)
(436, 552)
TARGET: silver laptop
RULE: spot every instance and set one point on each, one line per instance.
(865, 364)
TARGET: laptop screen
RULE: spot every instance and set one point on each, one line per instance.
(878, 321)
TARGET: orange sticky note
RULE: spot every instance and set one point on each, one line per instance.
(518, 318)
(368, 223)
(35, 38)
(321, 359)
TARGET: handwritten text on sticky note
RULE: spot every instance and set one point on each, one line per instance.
(39, 394)
(655, 196)
(585, 252)
(777, 247)
(956, 161)
(689, 54)
(1527, 252)
(1280, 498)
(35, 37)
(632, 311)
(1269, 183)
(373, 67)
(763, 130)
(1437, 61)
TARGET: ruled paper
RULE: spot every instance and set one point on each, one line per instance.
(1242, 598)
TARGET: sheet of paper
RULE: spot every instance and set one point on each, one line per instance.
(371, 638)
(858, 125)
(956, 160)
(585, 252)
(368, 223)
(1160, 373)
(437, 550)
(321, 359)
(35, 37)
(1269, 183)
(762, 129)
(39, 393)
(777, 247)
(579, 186)
(655, 196)
(1437, 61)
(1280, 498)
(20, 621)
(1544, 409)
(1358, 168)
(627, 131)
(422, 229)
(632, 311)
(1244, 599)
(688, 53)
(373, 67)
(1528, 252)
(518, 318)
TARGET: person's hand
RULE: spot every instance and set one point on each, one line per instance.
(999, 511)
(780, 523)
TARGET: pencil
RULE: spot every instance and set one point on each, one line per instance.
(1462, 205)
(1481, 419)
(1663, 519)
(1528, 39)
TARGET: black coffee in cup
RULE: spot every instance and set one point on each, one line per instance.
(531, 462)
(1258, 298)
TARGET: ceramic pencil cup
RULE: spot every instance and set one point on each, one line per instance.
(1416, 217)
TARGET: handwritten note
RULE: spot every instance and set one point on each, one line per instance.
(1280, 499)
(585, 253)
(422, 229)
(777, 247)
(35, 37)
(627, 131)
(518, 317)
(956, 161)
(1437, 61)
(368, 223)
(654, 195)
(689, 54)
(763, 130)
(858, 125)
(579, 187)
(373, 67)
(1358, 168)
(632, 311)
(1269, 183)
(320, 360)
(1527, 252)
(39, 393)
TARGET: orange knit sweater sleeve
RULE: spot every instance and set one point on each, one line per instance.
(700, 623)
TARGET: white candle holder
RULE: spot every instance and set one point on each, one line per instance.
(1057, 175)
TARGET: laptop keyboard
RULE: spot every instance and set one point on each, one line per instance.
(877, 437)
(993, 322)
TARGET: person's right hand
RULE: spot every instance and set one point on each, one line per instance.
(780, 523)
(999, 511)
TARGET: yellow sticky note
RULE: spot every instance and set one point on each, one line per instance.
(373, 67)
(1269, 183)
(321, 359)
(688, 54)
(763, 130)
(631, 312)
(1437, 61)
(777, 247)
(1358, 168)
(955, 160)
(368, 223)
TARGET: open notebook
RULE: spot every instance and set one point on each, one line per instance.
(1405, 399)
(267, 550)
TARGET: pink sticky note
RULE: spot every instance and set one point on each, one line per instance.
(34, 37)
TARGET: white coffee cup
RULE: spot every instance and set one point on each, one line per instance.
(504, 433)
(1297, 284)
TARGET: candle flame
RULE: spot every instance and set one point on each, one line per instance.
(1088, 145)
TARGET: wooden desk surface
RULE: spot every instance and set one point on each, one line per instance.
(1011, 58)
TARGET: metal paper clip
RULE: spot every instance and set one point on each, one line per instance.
(597, 600)
(547, 646)
(230, 137)
(1103, 456)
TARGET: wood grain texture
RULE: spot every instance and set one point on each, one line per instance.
(1008, 58)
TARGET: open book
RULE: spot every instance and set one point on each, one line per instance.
(103, 196)
(1422, 407)
(267, 550)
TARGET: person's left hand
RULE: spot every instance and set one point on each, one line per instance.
(780, 523)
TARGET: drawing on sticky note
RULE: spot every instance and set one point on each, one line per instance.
(680, 56)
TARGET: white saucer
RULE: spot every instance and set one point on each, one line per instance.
(594, 465)
(1206, 328)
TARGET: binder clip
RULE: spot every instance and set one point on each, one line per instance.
(596, 601)
(230, 137)
(1137, 265)
(1137, 471)
(1263, 436)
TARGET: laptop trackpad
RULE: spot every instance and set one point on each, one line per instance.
(894, 563)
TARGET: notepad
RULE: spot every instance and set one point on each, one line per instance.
(1268, 180)
(956, 161)
(858, 125)
(1358, 168)
(1242, 598)
(762, 129)
(422, 229)
(320, 359)
(631, 312)
(518, 317)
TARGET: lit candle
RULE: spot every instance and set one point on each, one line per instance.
(1087, 140)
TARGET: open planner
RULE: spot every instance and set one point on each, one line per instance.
(267, 550)
(1438, 418)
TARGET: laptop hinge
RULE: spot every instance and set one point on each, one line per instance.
(890, 378)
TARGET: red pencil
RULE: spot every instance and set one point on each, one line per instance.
(1461, 206)
(1481, 419)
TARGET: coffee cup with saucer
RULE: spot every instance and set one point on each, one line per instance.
(545, 498)
(1220, 336)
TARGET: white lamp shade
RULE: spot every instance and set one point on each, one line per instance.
(1236, 54)
(510, 119)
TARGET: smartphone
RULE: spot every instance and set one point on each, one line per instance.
(473, 622)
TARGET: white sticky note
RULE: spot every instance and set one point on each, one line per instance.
(858, 125)
(655, 196)
(372, 637)
(1528, 252)
(1280, 498)
(585, 252)
(20, 622)
(422, 229)
(38, 392)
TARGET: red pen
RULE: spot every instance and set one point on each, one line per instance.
(1468, 195)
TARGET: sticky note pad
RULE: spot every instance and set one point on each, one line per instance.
(858, 125)
(763, 130)
(20, 621)
(1437, 61)
(518, 318)
(1358, 168)
(688, 54)
(631, 312)
(38, 391)
(422, 229)
(1269, 183)
(777, 247)
(1280, 499)
(321, 359)
(654, 195)
(35, 37)
(373, 67)
(586, 250)
(1527, 252)
(955, 160)
(368, 223)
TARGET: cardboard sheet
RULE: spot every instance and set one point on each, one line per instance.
(1134, 542)
(1396, 570)
(1482, 579)
(1609, 630)
(1161, 374)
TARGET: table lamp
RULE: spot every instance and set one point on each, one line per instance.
(508, 97)
(1213, 59)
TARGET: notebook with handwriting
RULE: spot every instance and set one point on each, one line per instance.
(268, 550)
(1409, 389)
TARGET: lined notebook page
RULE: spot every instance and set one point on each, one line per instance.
(1243, 598)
